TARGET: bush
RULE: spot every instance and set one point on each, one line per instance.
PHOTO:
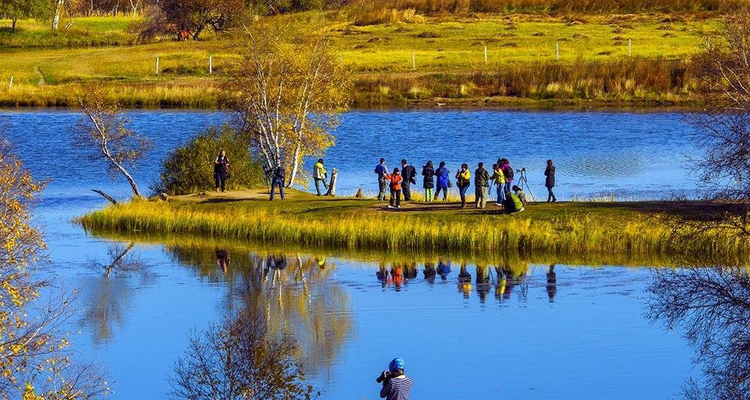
(189, 169)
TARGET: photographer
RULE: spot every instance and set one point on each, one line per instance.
(396, 385)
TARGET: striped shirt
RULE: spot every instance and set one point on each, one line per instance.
(397, 388)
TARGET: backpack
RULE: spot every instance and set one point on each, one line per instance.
(509, 173)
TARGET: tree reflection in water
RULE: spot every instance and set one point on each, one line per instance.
(107, 297)
(712, 307)
(293, 295)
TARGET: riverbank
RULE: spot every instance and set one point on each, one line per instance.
(571, 228)
(506, 59)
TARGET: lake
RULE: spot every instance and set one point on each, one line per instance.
(562, 332)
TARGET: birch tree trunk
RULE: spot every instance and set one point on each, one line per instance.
(56, 17)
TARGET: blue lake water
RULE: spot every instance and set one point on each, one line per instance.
(590, 340)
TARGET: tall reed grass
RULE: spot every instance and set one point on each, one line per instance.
(433, 7)
(575, 233)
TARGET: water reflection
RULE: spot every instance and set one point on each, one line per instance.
(712, 308)
(292, 294)
(110, 293)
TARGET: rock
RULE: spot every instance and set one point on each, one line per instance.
(359, 194)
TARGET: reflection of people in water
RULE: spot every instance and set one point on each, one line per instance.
(464, 281)
(483, 285)
(222, 259)
(502, 281)
(321, 261)
(397, 272)
(410, 270)
(443, 269)
(382, 273)
(429, 272)
(551, 283)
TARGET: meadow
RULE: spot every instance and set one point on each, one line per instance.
(402, 59)
(575, 228)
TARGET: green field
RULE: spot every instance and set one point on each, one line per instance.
(433, 59)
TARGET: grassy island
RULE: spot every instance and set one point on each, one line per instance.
(609, 229)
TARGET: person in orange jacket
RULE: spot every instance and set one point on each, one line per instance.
(396, 180)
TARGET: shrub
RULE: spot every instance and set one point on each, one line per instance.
(189, 169)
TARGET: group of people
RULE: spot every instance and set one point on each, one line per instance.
(434, 181)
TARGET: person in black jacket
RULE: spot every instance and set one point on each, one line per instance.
(408, 172)
(428, 172)
(221, 170)
(549, 172)
(278, 180)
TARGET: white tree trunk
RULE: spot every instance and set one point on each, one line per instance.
(56, 17)
(332, 185)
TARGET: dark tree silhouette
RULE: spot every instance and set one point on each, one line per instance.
(712, 308)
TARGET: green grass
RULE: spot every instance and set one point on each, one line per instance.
(566, 229)
(449, 53)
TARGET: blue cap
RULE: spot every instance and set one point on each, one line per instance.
(396, 364)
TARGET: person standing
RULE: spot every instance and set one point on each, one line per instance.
(549, 182)
(408, 173)
(499, 178)
(463, 181)
(278, 180)
(428, 172)
(320, 175)
(443, 181)
(382, 171)
(221, 171)
(508, 172)
(396, 181)
(396, 385)
(481, 183)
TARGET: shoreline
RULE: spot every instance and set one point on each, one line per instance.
(608, 230)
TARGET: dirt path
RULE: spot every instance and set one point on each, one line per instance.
(41, 82)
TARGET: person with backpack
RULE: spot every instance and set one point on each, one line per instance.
(428, 183)
(443, 181)
(278, 180)
(499, 178)
(549, 181)
(381, 170)
(396, 181)
(408, 173)
(481, 182)
(320, 175)
(463, 181)
(508, 172)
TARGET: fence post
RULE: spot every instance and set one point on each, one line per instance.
(156, 68)
(413, 60)
(10, 84)
(557, 51)
(485, 54)
(630, 47)
(210, 64)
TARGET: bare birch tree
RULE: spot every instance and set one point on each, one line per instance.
(57, 7)
(288, 91)
(103, 133)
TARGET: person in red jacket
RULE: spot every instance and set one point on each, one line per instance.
(395, 183)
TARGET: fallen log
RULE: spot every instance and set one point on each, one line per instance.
(106, 196)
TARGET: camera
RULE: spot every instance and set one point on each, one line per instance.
(521, 170)
(384, 376)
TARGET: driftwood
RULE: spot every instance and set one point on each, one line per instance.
(106, 196)
(332, 185)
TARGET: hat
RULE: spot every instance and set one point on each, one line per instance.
(396, 365)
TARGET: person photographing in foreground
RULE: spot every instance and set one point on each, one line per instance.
(396, 385)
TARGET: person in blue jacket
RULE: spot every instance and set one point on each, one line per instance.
(443, 181)
(381, 170)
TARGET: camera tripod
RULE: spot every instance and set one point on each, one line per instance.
(522, 181)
